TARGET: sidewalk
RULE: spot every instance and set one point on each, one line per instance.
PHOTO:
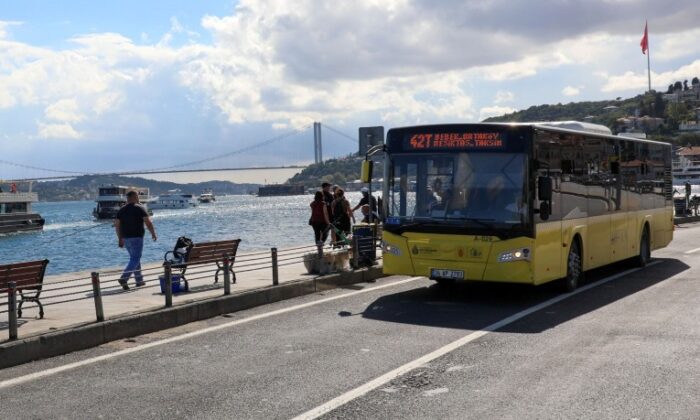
(253, 271)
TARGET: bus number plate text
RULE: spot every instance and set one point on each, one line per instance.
(441, 273)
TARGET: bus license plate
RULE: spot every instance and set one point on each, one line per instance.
(440, 273)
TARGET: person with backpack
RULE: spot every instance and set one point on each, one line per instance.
(342, 213)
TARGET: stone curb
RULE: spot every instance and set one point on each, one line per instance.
(686, 219)
(85, 336)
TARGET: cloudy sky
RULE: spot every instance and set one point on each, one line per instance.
(95, 85)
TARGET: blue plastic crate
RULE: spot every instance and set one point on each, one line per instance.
(177, 285)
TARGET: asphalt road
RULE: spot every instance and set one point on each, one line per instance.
(625, 348)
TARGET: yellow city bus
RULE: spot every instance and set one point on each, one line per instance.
(521, 203)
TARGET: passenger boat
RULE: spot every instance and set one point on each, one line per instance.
(16, 211)
(173, 199)
(111, 198)
(207, 196)
(686, 166)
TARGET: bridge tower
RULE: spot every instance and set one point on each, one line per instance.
(318, 147)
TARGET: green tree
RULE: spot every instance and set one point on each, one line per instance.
(659, 106)
(677, 112)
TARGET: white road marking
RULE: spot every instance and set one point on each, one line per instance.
(692, 251)
(48, 372)
(391, 375)
(436, 391)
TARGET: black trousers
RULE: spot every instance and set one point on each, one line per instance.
(320, 231)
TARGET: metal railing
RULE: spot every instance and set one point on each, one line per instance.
(104, 283)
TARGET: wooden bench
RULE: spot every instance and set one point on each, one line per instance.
(206, 253)
(28, 277)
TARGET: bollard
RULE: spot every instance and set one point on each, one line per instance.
(168, 284)
(12, 309)
(355, 252)
(97, 295)
(227, 275)
(275, 274)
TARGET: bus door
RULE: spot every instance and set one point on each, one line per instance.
(619, 219)
(600, 202)
(548, 263)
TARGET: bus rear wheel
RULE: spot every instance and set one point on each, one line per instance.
(574, 269)
(644, 249)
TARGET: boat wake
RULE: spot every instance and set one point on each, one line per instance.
(70, 225)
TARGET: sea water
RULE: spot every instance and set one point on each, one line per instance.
(73, 241)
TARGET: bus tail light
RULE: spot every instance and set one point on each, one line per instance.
(515, 255)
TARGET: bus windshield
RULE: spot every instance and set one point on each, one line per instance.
(472, 190)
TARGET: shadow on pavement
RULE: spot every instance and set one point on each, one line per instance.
(4, 325)
(473, 306)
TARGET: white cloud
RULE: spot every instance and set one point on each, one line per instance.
(4, 24)
(65, 110)
(287, 64)
(631, 81)
(494, 111)
(503, 96)
(57, 131)
(675, 45)
(571, 91)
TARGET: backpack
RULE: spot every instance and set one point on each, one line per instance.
(182, 248)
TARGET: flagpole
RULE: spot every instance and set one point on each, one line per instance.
(648, 56)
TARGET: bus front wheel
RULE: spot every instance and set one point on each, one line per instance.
(573, 269)
(644, 249)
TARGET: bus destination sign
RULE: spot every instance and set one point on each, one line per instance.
(450, 141)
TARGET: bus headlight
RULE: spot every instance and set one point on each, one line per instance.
(515, 255)
(387, 248)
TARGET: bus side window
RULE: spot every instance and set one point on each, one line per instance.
(615, 168)
(567, 167)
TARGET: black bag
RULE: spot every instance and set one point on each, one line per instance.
(182, 248)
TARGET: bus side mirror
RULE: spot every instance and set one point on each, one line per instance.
(544, 188)
(544, 210)
(366, 173)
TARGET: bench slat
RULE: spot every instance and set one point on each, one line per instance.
(21, 271)
(209, 252)
(27, 275)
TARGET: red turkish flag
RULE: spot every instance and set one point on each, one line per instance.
(645, 40)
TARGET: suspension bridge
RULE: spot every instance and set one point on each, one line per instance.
(289, 150)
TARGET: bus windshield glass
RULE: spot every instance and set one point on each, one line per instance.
(465, 189)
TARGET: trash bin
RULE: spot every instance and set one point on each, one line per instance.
(176, 283)
(679, 205)
(363, 236)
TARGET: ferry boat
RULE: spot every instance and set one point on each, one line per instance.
(207, 196)
(16, 211)
(173, 199)
(111, 197)
(686, 166)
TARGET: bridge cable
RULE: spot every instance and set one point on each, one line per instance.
(36, 168)
(340, 133)
(238, 151)
(209, 159)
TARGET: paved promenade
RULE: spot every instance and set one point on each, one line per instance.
(253, 271)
